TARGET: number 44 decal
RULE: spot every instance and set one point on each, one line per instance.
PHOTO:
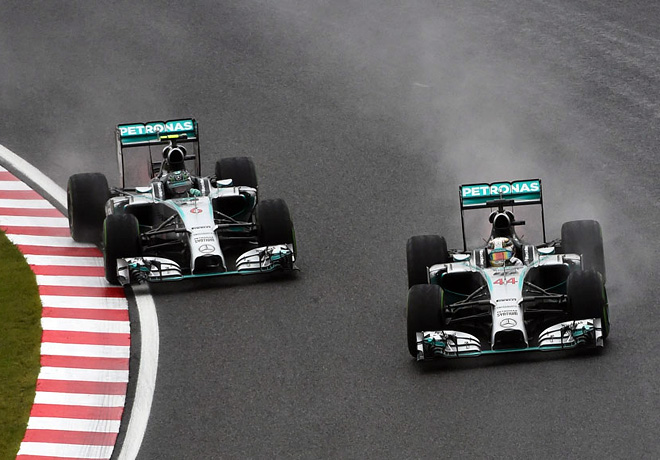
(502, 281)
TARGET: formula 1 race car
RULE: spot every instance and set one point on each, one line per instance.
(507, 295)
(168, 222)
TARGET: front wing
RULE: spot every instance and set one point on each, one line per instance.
(568, 335)
(264, 259)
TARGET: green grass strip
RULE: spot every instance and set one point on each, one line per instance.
(20, 341)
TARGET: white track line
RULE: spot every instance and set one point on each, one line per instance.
(13, 185)
(146, 382)
(62, 301)
(73, 424)
(84, 375)
(36, 176)
(53, 241)
(85, 325)
(51, 450)
(79, 281)
(24, 221)
(79, 399)
(21, 204)
(89, 351)
(70, 261)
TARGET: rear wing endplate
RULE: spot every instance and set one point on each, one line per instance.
(498, 194)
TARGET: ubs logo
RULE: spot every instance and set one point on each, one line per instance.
(196, 210)
(508, 323)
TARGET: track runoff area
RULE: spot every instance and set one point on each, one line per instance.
(85, 351)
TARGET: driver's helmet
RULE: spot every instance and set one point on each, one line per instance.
(175, 157)
(500, 251)
(178, 183)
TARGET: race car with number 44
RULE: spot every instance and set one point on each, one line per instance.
(506, 295)
(168, 222)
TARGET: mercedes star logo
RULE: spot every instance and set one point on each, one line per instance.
(206, 248)
(508, 323)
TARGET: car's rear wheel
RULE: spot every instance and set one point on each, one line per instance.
(121, 235)
(424, 312)
(240, 169)
(86, 195)
(585, 237)
(587, 297)
(423, 251)
(274, 224)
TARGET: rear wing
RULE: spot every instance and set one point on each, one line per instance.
(140, 146)
(156, 131)
(500, 194)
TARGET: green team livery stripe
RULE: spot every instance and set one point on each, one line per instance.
(526, 191)
(152, 131)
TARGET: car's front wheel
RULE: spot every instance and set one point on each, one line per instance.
(86, 195)
(587, 297)
(422, 252)
(240, 170)
(585, 237)
(121, 235)
(274, 224)
(424, 312)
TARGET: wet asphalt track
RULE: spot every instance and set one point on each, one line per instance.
(365, 116)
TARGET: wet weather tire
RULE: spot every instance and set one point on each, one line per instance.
(274, 225)
(240, 170)
(424, 312)
(422, 252)
(121, 235)
(587, 297)
(87, 194)
(585, 237)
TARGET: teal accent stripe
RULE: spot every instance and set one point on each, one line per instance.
(518, 198)
(136, 133)
(209, 275)
(521, 192)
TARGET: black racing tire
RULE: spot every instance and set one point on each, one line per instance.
(86, 195)
(274, 224)
(240, 169)
(121, 237)
(424, 312)
(587, 297)
(585, 237)
(422, 251)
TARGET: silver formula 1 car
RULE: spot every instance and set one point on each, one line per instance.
(168, 222)
(507, 295)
